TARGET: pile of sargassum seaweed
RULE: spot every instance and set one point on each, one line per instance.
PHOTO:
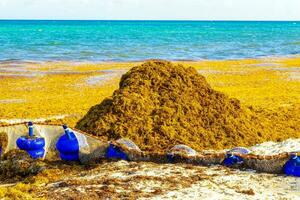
(160, 104)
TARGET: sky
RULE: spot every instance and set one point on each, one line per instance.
(151, 9)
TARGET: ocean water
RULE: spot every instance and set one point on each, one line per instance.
(140, 40)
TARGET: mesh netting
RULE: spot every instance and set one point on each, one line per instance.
(182, 149)
(92, 149)
(128, 144)
(89, 147)
(239, 150)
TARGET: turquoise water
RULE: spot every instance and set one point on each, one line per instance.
(140, 40)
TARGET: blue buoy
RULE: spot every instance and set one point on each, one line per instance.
(37, 153)
(232, 159)
(26, 143)
(68, 146)
(34, 146)
(170, 157)
(69, 157)
(292, 166)
(114, 152)
(118, 149)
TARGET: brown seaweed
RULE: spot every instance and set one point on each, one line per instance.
(160, 104)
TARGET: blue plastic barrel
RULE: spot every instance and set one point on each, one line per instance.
(292, 166)
(114, 152)
(68, 146)
(34, 146)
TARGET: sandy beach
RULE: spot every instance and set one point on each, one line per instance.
(70, 90)
(146, 180)
(149, 100)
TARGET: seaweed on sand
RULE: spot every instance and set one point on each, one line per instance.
(3, 142)
(17, 164)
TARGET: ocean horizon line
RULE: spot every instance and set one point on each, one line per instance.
(150, 20)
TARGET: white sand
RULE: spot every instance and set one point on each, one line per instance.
(181, 181)
(272, 148)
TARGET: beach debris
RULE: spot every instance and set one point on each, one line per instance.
(33, 145)
(160, 104)
(68, 145)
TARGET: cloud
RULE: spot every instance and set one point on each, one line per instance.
(152, 9)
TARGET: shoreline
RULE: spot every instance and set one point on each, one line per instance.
(21, 61)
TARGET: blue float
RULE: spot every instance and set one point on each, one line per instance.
(115, 152)
(170, 157)
(69, 157)
(118, 149)
(232, 159)
(38, 153)
(292, 166)
(34, 146)
(68, 146)
(26, 143)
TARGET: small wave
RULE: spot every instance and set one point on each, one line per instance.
(54, 43)
(87, 53)
(294, 43)
(9, 60)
